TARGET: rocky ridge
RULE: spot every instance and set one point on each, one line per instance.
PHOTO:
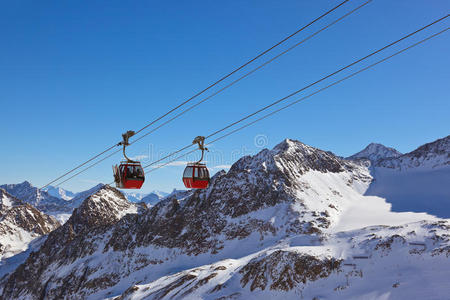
(20, 223)
(428, 156)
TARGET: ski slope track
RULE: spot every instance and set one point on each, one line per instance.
(286, 223)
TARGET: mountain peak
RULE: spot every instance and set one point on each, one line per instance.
(105, 206)
(287, 144)
(376, 152)
(26, 183)
(295, 155)
(59, 192)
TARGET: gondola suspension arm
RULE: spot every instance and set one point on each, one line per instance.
(125, 143)
(200, 140)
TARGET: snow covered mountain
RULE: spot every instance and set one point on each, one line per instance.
(59, 193)
(40, 199)
(269, 228)
(375, 152)
(20, 223)
(79, 197)
(153, 198)
(133, 197)
(429, 156)
(149, 199)
(60, 204)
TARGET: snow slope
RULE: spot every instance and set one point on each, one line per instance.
(414, 190)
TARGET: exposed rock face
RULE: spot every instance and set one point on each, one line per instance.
(283, 270)
(60, 206)
(20, 223)
(103, 208)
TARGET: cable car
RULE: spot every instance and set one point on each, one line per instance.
(129, 174)
(196, 175)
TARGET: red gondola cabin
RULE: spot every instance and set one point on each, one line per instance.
(129, 175)
(196, 176)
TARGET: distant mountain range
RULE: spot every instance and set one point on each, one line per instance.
(376, 152)
(148, 198)
(287, 223)
(429, 156)
(60, 203)
(40, 199)
(59, 193)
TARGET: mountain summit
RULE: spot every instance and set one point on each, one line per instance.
(375, 152)
(59, 192)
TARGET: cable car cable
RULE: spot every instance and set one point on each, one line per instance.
(246, 64)
(326, 77)
(306, 97)
(310, 85)
(302, 89)
(290, 95)
(254, 70)
(206, 89)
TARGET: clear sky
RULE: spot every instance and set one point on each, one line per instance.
(75, 75)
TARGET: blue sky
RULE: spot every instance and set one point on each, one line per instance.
(76, 74)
